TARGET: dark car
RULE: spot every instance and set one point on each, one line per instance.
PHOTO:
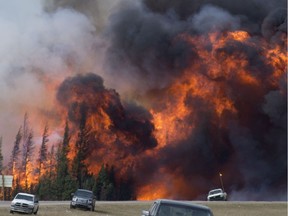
(165, 207)
(83, 199)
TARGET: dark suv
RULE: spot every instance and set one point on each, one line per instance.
(83, 199)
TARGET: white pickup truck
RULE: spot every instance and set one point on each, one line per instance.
(25, 203)
(217, 194)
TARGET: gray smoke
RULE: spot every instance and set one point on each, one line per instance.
(38, 49)
(275, 24)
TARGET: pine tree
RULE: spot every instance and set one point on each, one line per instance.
(105, 188)
(43, 152)
(14, 160)
(51, 162)
(1, 157)
(1, 167)
(102, 178)
(25, 135)
(65, 183)
(27, 157)
(111, 188)
(47, 182)
(79, 168)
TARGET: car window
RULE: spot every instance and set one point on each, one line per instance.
(177, 210)
(25, 197)
(83, 193)
(215, 191)
(153, 209)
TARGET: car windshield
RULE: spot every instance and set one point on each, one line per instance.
(82, 193)
(215, 191)
(178, 210)
(24, 197)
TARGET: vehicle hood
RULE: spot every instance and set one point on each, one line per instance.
(83, 197)
(22, 201)
(216, 194)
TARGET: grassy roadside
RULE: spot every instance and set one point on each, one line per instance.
(135, 208)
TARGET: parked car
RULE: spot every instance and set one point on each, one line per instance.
(217, 194)
(163, 207)
(83, 199)
(25, 203)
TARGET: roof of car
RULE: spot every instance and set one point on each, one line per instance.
(183, 203)
(84, 190)
(27, 194)
(218, 189)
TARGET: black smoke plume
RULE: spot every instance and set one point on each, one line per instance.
(131, 120)
(252, 149)
(145, 54)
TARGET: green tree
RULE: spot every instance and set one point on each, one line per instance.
(101, 182)
(105, 187)
(79, 168)
(27, 159)
(47, 182)
(1, 166)
(66, 184)
(126, 187)
(1, 157)
(13, 164)
(43, 152)
(25, 137)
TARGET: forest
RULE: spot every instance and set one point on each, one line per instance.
(54, 171)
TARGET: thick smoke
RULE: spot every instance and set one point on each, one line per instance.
(275, 24)
(144, 49)
(131, 121)
(37, 50)
(141, 44)
(96, 10)
(251, 148)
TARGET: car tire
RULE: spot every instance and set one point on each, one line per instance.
(35, 213)
(11, 212)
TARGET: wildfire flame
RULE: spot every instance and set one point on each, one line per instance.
(212, 108)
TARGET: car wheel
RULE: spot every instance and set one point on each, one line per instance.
(35, 213)
(11, 212)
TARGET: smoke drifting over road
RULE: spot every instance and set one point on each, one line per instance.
(184, 89)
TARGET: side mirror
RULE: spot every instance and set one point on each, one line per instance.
(145, 213)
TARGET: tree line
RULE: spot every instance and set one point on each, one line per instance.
(53, 175)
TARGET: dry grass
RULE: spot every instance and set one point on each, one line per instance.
(248, 208)
(135, 208)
